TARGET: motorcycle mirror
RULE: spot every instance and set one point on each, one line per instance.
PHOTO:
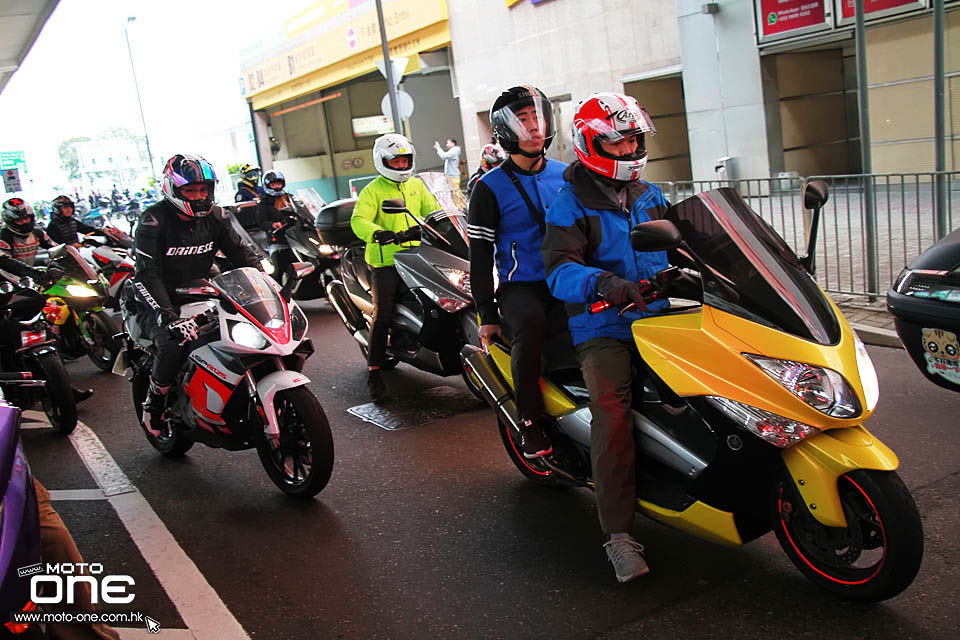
(393, 205)
(302, 269)
(201, 291)
(655, 235)
(815, 195)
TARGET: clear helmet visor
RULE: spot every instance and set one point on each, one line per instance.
(530, 119)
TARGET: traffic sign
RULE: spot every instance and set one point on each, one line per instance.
(11, 180)
(398, 66)
(404, 105)
(13, 160)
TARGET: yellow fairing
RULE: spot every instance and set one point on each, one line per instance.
(700, 519)
(816, 463)
(698, 353)
(555, 402)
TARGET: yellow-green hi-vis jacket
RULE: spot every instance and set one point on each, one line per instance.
(368, 218)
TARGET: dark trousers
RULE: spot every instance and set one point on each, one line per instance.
(606, 365)
(282, 257)
(385, 283)
(533, 315)
(170, 355)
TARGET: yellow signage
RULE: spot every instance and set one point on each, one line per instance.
(343, 38)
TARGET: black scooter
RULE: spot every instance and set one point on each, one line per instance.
(434, 315)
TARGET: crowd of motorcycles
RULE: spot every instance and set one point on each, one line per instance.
(749, 415)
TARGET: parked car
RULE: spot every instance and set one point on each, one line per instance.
(925, 303)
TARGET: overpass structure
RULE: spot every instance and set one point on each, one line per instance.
(20, 23)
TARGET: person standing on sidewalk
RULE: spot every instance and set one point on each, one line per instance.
(588, 257)
(451, 162)
(506, 222)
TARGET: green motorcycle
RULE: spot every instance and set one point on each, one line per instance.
(76, 313)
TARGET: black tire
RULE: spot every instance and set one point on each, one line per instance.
(171, 444)
(101, 326)
(531, 469)
(302, 462)
(875, 557)
(57, 400)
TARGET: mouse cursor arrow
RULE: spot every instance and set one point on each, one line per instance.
(152, 625)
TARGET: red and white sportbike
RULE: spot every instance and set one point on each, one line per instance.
(241, 385)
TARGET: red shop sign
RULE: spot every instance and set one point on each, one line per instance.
(869, 6)
(781, 16)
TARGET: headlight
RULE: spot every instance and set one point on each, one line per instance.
(457, 277)
(81, 291)
(247, 335)
(775, 429)
(868, 374)
(927, 283)
(267, 266)
(823, 389)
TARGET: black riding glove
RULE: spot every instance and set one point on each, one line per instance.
(384, 236)
(618, 291)
(184, 329)
(409, 235)
(50, 277)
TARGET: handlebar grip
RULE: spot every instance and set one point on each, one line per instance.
(16, 376)
(598, 306)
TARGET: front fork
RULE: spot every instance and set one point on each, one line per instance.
(817, 463)
(264, 391)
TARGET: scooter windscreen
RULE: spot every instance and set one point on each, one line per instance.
(255, 294)
(751, 272)
(447, 230)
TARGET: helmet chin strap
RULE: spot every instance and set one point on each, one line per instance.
(539, 154)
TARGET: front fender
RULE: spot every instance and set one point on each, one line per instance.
(267, 388)
(816, 463)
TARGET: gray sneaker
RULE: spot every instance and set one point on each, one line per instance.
(625, 554)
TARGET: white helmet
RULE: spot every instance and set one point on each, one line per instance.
(388, 147)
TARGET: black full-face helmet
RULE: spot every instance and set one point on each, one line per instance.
(522, 114)
(60, 203)
(18, 216)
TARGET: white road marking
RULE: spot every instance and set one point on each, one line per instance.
(199, 606)
(77, 494)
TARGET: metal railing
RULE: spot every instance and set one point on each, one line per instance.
(861, 248)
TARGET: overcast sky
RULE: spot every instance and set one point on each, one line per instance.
(76, 80)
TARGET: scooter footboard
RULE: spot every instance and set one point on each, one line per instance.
(816, 463)
(267, 388)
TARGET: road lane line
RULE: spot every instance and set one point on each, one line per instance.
(76, 494)
(199, 606)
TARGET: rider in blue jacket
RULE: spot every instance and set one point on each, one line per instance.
(588, 258)
(506, 222)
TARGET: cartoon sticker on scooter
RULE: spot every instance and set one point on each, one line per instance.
(942, 353)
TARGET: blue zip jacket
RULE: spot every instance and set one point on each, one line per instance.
(588, 234)
(501, 228)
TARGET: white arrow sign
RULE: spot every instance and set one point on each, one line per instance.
(152, 625)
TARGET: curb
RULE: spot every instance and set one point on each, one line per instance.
(877, 336)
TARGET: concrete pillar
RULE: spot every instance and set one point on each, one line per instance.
(262, 137)
(731, 106)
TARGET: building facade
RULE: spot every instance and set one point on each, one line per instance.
(758, 87)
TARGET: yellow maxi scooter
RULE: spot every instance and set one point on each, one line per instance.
(749, 405)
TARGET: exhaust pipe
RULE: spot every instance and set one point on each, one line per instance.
(340, 299)
(492, 386)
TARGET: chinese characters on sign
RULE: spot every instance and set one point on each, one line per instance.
(781, 16)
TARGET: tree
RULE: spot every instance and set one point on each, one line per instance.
(69, 161)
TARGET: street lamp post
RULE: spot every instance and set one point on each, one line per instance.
(136, 86)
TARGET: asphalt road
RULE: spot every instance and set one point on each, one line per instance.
(430, 532)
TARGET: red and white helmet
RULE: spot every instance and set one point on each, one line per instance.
(492, 155)
(611, 117)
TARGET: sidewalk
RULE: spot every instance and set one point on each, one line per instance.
(871, 320)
